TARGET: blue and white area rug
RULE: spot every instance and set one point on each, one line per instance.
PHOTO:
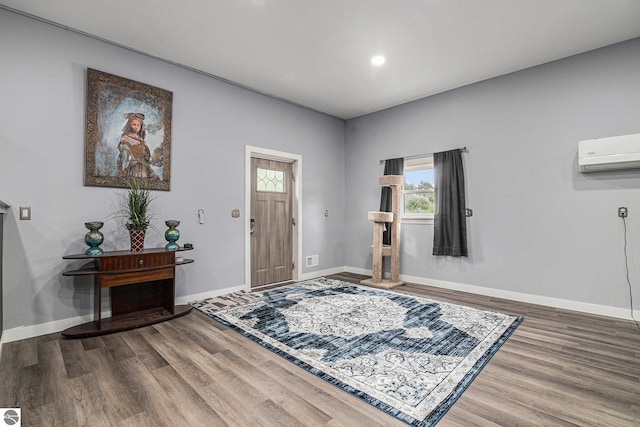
(409, 356)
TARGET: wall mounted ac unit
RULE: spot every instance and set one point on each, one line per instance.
(603, 154)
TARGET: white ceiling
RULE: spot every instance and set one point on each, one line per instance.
(316, 53)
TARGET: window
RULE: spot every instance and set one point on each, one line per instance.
(418, 197)
(270, 180)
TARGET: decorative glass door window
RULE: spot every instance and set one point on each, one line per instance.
(270, 180)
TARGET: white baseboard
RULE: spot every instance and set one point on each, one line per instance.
(24, 332)
(320, 273)
(2, 343)
(216, 293)
(601, 310)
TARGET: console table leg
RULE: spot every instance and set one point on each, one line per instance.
(97, 301)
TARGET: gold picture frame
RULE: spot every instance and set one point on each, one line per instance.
(127, 133)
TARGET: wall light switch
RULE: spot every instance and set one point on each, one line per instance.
(25, 213)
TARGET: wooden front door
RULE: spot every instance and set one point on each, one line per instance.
(271, 221)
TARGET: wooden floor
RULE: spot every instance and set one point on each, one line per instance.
(558, 368)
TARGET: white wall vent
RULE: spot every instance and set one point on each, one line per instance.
(313, 261)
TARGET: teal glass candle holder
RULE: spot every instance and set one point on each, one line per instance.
(172, 235)
(94, 237)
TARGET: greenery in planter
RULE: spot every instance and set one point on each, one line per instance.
(135, 206)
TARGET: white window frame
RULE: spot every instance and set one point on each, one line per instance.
(423, 162)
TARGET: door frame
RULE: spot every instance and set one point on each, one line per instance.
(296, 206)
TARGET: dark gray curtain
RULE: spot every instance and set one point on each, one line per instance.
(391, 167)
(450, 222)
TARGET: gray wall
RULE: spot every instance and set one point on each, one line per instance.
(2, 214)
(539, 227)
(42, 87)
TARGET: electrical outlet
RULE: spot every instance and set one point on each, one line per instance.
(623, 212)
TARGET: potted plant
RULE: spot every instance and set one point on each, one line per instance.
(135, 212)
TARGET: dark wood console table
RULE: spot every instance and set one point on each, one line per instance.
(142, 286)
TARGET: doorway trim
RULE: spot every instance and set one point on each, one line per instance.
(296, 235)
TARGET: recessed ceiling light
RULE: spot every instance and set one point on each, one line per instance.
(378, 60)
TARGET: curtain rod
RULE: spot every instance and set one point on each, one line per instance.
(417, 156)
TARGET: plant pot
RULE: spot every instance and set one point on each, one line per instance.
(137, 240)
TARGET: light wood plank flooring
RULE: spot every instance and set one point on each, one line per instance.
(559, 368)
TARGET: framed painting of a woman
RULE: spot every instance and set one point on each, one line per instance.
(127, 134)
